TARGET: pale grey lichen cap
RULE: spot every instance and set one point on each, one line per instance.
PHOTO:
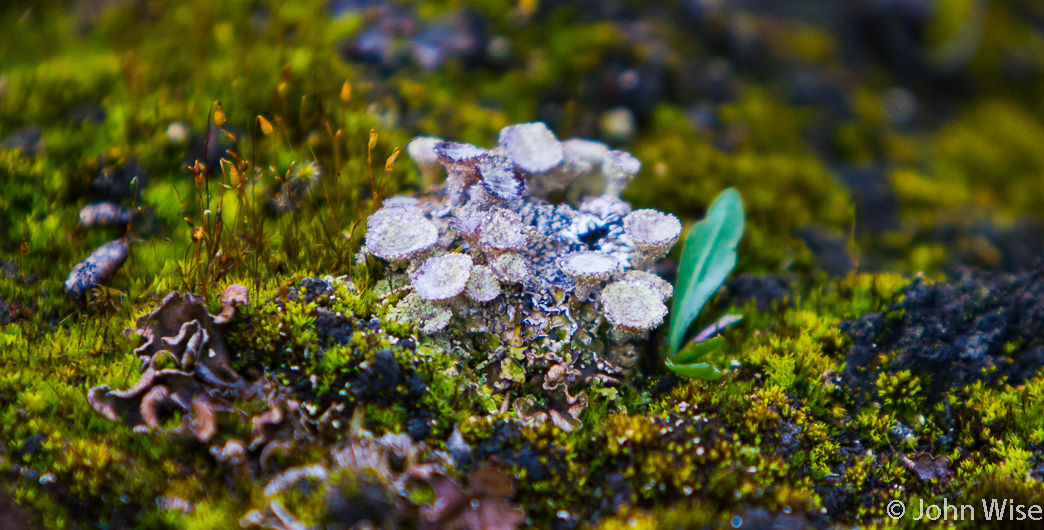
(431, 316)
(652, 228)
(509, 267)
(442, 277)
(585, 151)
(483, 285)
(501, 230)
(588, 265)
(588, 268)
(403, 202)
(499, 177)
(532, 147)
(453, 153)
(659, 285)
(422, 150)
(633, 307)
(618, 168)
(397, 234)
(461, 162)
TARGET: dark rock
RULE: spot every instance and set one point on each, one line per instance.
(762, 519)
(638, 85)
(789, 438)
(877, 207)
(418, 426)
(33, 445)
(12, 516)
(97, 268)
(459, 36)
(399, 39)
(589, 11)
(507, 446)
(340, 8)
(984, 245)
(311, 289)
(763, 290)
(332, 328)
(835, 499)
(210, 148)
(815, 89)
(10, 312)
(116, 182)
(614, 491)
(894, 33)
(28, 140)
(665, 385)
(87, 112)
(349, 504)
(830, 249)
(384, 382)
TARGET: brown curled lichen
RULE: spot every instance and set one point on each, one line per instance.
(182, 326)
(282, 422)
(186, 369)
(483, 505)
(143, 405)
(232, 453)
(232, 297)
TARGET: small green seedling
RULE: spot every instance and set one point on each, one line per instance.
(708, 257)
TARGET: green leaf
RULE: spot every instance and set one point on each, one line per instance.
(695, 371)
(693, 351)
(708, 257)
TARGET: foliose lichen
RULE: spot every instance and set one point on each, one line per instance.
(513, 258)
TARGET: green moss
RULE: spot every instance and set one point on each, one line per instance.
(682, 173)
(768, 436)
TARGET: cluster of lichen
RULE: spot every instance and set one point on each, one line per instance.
(126, 92)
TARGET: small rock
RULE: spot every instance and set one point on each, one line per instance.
(97, 269)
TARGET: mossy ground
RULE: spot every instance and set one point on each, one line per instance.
(846, 204)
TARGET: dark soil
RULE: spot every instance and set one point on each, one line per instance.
(12, 516)
(984, 326)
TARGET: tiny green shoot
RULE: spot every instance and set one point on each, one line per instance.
(709, 255)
